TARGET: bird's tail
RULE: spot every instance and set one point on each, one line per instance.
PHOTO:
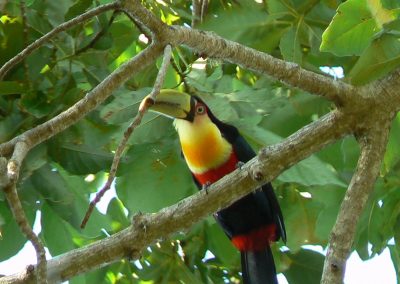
(258, 267)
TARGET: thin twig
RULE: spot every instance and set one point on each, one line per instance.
(134, 124)
(98, 36)
(204, 8)
(25, 38)
(13, 168)
(39, 42)
(142, 28)
(196, 11)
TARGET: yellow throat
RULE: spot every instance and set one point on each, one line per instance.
(202, 144)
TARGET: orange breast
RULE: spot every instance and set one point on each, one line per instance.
(206, 153)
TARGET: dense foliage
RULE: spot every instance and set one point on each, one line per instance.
(360, 36)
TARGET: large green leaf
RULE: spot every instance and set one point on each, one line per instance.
(77, 8)
(51, 185)
(311, 171)
(10, 87)
(11, 38)
(221, 247)
(11, 237)
(59, 242)
(395, 255)
(381, 57)
(330, 197)
(290, 45)
(124, 106)
(115, 211)
(300, 220)
(305, 267)
(392, 155)
(156, 176)
(351, 29)
(232, 23)
(81, 159)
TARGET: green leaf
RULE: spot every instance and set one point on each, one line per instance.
(35, 159)
(11, 237)
(383, 219)
(351, 30)
(220, 246)
(381, 57)
(124, 106)
(11, 38)
(391, 4)
(36, 104)
(330, 197)
(10, 125)
(59, 242)
(155, 177)
(11, 87)
(232, 23)
(115, 211)
(79, 7)
(395, 256)
(51, 185)
(312, 171)
(38, 23)
(306, 265)
(299, 232)
(81, 159)
(290, 45)
(80, 187)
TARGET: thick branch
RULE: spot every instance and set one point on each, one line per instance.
(373, 144)
(136, 11)
(89, 102)
(212, 45)
(148, 228)
(63, 27)
(290, 73)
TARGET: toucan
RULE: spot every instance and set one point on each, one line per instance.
(213, 149)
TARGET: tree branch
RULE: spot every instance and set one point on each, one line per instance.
(89, 102)
(290, 73)
(214, 46)
(63, 27)
(373, 144)
(135, 123)
(10, 191)
(147, 228)
(196, 13)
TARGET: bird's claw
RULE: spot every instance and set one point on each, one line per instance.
(239, 165)
(206, 186)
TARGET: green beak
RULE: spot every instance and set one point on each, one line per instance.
(173, 104)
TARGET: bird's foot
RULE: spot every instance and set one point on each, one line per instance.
(239, 165)
(206, 186)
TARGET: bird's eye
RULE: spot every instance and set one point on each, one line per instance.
(200, 109)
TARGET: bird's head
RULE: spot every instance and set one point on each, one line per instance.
(202, 142)
(179, 105)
